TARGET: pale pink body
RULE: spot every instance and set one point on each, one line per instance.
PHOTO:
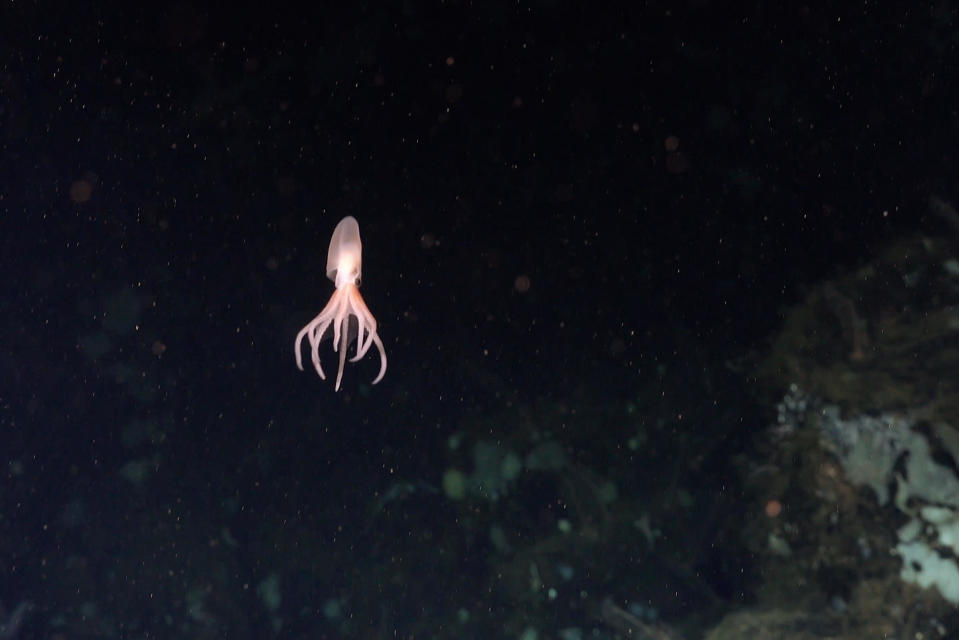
(344, 267)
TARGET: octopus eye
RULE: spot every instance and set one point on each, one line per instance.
(350, 271)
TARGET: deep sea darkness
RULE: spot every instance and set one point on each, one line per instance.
(561, 203)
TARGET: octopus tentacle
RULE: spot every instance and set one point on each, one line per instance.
(296, 345)
(339, 372)
(359, 338)
(341, 316)
(315, 347)
(379, 345)
(363, 314)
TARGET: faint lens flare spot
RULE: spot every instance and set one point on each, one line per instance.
(82, 190)
(522, 283)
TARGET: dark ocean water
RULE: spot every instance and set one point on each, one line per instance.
(577, 224)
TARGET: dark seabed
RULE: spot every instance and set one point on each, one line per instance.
(669, 296)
